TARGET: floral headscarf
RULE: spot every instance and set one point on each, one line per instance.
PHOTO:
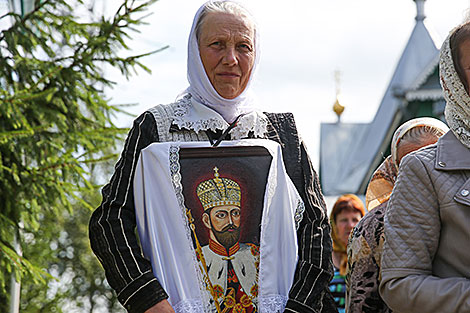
(381, 184)
(457, 111)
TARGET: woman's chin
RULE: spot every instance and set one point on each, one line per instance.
(229, 93)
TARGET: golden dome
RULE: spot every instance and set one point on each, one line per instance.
(338, 108)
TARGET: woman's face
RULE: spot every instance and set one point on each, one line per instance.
(226, 47)
(464, 51)
(345, 222)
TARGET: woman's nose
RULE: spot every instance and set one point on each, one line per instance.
(230, 57)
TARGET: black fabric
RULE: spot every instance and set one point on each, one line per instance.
(286, 135)
(113, 225)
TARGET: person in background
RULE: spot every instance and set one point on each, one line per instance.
(425, 260)
(223, 53)
(366, 240)
(346, 213)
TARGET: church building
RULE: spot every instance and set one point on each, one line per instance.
(350, 152)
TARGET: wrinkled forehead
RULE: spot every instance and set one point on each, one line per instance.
(235, 11)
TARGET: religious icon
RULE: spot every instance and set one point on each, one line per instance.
(224, 196)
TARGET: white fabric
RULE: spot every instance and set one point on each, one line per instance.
(201, 88)
(457, 111)
(408, 125)
(192, 115)
(166, 239)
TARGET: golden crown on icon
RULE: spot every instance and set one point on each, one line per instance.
(218, 191)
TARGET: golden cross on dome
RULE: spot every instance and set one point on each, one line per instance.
(216, 172)
(337, 107)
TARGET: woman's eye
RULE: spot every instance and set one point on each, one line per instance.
(245, 47)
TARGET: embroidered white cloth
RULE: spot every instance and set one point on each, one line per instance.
(166, 238)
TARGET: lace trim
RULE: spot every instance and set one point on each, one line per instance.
(457, 111)
(272, 303)
(299, 213)
(254, 122)
(186, 305)
(181, 110)
(182, 106)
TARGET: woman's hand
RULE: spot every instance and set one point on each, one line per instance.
(161, 307)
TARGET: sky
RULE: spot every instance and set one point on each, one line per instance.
(303, 43)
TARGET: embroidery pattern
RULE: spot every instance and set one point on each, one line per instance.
(254, 122)
(188, 306)
(181, 110)
(272, 303)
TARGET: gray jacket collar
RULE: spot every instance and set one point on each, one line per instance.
(451, 154)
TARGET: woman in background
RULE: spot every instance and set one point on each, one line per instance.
(366, 240)
(346, 213)
(425, 261)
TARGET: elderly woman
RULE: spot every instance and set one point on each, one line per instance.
(346, 213)
(425, 261)
(366, 241)
(222, 57)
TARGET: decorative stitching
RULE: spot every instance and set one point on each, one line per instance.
(272, 303)
(188, 306)
(254, 122)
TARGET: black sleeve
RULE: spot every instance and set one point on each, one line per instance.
(113, 227)
(310, 292)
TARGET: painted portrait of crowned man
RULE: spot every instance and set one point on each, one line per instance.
(232, 267)
(219, 225)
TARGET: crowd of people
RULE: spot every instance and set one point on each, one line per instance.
(185, 226)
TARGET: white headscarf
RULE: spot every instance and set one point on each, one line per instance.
(407, 126)
(457, 111)
(200, 86)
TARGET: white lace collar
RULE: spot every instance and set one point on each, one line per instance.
(192, 115)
